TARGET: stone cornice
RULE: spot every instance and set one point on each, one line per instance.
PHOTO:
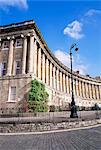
(28, 27)
(61, 64)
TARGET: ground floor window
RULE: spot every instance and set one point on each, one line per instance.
(12, 93)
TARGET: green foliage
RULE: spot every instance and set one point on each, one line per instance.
(38, 97)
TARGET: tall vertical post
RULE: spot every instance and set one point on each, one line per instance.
(73, 106)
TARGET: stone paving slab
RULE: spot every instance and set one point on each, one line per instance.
(87, 139)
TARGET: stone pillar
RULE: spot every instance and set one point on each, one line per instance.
(74, 86)
(100, 91)
(61, 81)
(83, 90)
(86, 86)
(77, 93)
(64, 83)
(47, 71)
(39, 63)
(54, 77)
(0, 58)
(97, 94)
(14, 68)
(57, 78)
(0, 69)
(51, 80)
(35, 58)
(69, 81)
(80, 94)
(43, 68)
(94, 93)
(90, 94)
(24, 55)
(31, 54)
(10, 58)
(67, 88)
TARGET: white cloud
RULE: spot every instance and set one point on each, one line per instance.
(78, 64)
(92, 12)
(63, 57)
(74, 30)
(4, 4)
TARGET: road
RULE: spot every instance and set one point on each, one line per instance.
(83, 139)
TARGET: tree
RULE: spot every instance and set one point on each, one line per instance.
(38, 97)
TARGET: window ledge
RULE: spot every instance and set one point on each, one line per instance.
(5, 48)
(18, 47)
(12, 101)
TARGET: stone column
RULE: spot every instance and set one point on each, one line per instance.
(57, 78)
(61, 81)
(74, 86)
(24, 55)
(97, 94)
(86, 86)
(51, 74)
(47, 71)
(67, 88)
(0, 69)
(43, 68)
(35, 58)
(31, 54)
(10, 58)
(64, 83)
(69, 82)
(0, 59)
(83, 90)
(100, 91)
(90, 94)
(80, 88)
(54, 77)
(39, 63)
(77, 93)
(94, 93)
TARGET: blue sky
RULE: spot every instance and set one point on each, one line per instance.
(61, 24)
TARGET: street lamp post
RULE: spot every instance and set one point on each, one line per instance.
(73, 106)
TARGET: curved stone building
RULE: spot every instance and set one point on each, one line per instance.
(24, 55)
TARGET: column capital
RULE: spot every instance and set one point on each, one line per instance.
(8, 38)
(22, 36)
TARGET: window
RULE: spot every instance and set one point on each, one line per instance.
(4, 68)
(12, 93)
(5, 45)
(18, 64)
(18, 43)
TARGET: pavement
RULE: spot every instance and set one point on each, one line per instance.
(52, 117)
(80, 139)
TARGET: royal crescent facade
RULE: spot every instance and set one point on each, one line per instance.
(24, 55)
